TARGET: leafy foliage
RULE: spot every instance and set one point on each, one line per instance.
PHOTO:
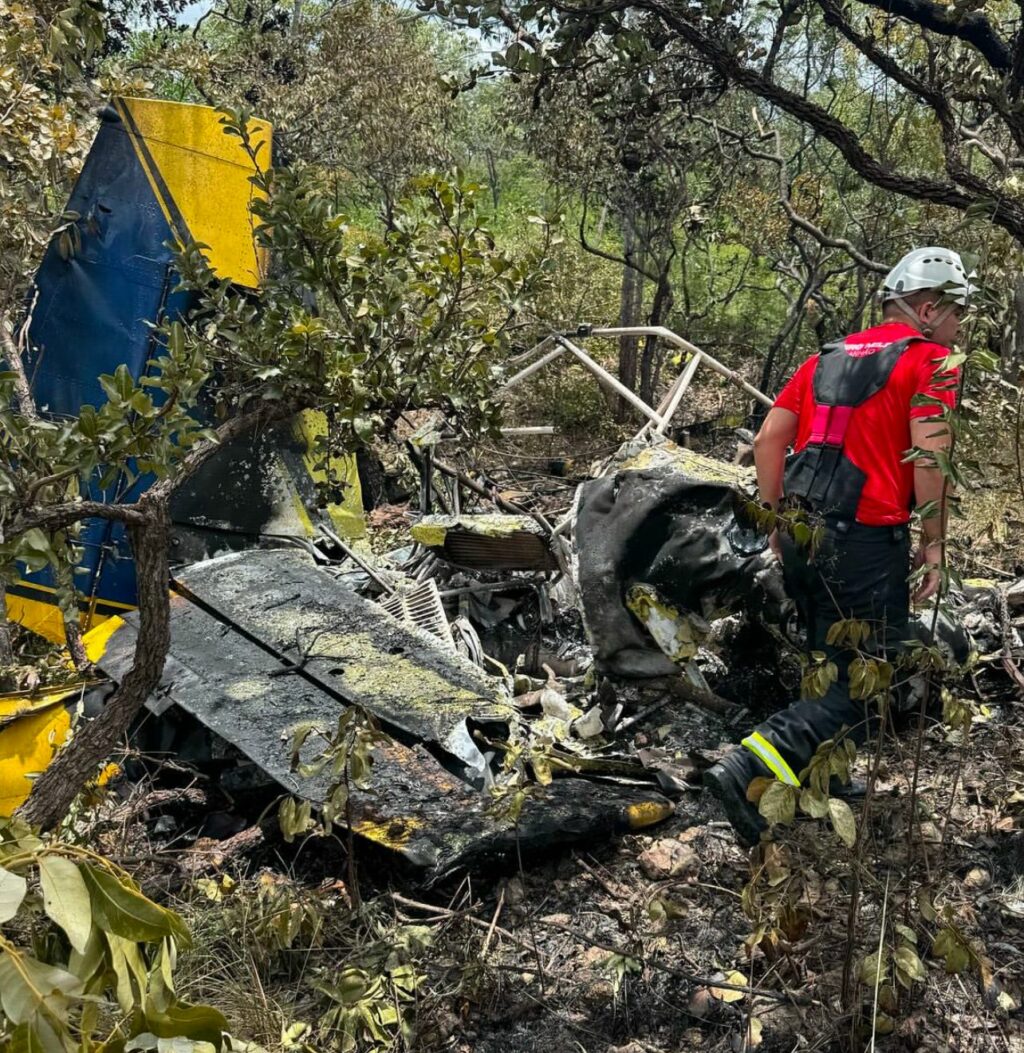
(86, 960)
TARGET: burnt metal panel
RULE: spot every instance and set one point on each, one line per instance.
(438, 823)
(351, 647)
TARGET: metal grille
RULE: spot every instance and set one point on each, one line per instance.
(421, 606)
(519, 551)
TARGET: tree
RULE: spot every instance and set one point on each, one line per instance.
(916, 99)
(355, 88)
(605, 130)
(414, 316)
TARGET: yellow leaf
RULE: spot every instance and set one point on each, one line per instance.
(778, 803)
(843, 822)
(727, 994)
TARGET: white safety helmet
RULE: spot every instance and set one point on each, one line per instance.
(930, 268)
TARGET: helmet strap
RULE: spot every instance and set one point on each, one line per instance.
(912, 315)
(925, 330)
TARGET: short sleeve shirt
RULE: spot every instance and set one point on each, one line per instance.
(878, 437)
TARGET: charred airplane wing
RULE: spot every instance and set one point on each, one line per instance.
(264, 641)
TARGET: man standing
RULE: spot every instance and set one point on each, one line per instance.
(852, 413)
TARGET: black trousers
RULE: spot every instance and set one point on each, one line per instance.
(860, 573)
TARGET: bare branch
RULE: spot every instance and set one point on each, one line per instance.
(13, 356)
(785, 197)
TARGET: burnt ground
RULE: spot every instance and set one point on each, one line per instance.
(673, 900)
(615, 946)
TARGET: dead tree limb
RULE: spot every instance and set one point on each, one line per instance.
(60, 783)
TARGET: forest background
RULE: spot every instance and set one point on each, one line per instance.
(741, 172)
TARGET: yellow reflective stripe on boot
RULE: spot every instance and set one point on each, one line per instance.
(762, 748)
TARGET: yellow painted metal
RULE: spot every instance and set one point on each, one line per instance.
(26, 747)
(201, 179)
(41, 616)
(346, 516)
(33, 727)
(641, 814)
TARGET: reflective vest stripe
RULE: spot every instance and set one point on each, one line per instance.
(762, 748)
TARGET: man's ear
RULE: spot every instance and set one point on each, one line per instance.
(926, 311)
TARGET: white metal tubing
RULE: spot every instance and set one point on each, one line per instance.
(674, 338)
(530, 429)
(605, 377)
(535, 350)
(684, 382)
(531, 369)
(661, 407)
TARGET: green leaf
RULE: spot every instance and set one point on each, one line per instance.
(908, 966)
(129, 972)
(925, 905)
(12, 891)
(778, 803)
(66, 899)
(84, 965)
(122, 910)
(873, 969)
(34, 549)
(200, 1022)
(843, 822)
(25, 1040)
(28, 986)
(814, 803)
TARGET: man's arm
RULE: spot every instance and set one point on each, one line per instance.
(770, 445)
(930, 488)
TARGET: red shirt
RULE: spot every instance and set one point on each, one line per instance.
(878, 436)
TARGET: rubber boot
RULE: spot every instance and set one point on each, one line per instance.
(728, 781)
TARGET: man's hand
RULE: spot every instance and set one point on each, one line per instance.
(775, 544)
(928, 555)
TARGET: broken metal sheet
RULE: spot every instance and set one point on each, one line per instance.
(666, 520)
(352, 648)
(679, 634)
(641, 455)
(254, 700)
(491, 541)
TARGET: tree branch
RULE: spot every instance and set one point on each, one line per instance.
(94, 740)
(610, 256)
(973, 28)
(12, 355)
(674, 14)
(929, 94)
(785, 197)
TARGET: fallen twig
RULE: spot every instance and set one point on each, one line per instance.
(1009, 664)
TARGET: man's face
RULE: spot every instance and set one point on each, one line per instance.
(943, 318)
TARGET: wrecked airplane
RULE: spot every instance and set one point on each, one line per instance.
(632, 584)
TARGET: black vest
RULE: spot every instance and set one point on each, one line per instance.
(821, 477)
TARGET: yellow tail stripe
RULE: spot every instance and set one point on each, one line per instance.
(762, 748)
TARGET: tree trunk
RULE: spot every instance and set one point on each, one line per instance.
(630, 302)
(6, 646)
(492, 176)
(794, 316)
(76, 763)
(650, 366)
(1013, 361)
